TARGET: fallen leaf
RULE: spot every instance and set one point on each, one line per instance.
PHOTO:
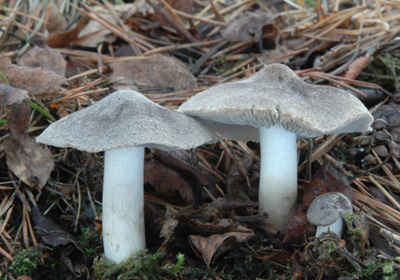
(54, 19)
(226, 204)
(208, 246)
(27, 159)
(248, 27)
(168, 14)
(35, 80)
(182, 5)
(163, 178)
(217, 226)
(24, 278)
(51, 233)
(78, 270)
(46, 58)
(10, 95)
(269, 56)
(236, 183)
(168, 172)
(156, 73)
(62, 39)
(93, 39)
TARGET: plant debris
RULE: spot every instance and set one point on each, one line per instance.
(201, 206)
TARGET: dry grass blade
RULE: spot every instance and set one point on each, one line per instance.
(329, 143)
(385, 192)
(6, 255)
(377, 204)
(387, 171)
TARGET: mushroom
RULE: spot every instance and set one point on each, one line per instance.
(274, 107)
(327, 212)
(122, 124)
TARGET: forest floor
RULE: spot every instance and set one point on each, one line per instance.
(201, 206)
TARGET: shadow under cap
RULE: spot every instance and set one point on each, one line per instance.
(276, 96)
(126, 118)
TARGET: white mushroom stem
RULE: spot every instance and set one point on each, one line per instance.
(336, 228)
(278, 176)
(123, 217)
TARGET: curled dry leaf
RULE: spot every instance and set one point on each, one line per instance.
(36, 81)
(248, 27)
(51, 233)
(54, 19)
(28, 160)
(182, 5)
(170, 172)
(10, 95)
(208, 246)
(46, 57)
(62, 39)
(156, 73)
(164, 178)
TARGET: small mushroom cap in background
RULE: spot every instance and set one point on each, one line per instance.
(126, 118)
(276, 96)
(328, 207)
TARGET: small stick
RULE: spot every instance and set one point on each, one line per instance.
(25, 226)
(385, 192)
(387, 171)
(209, 21)
(6, 255)
(183, 46)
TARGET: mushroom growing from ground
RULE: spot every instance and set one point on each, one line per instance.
(274, 107)
(327, 212)
(122, 124)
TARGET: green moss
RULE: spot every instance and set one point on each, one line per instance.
(27, 261)
(142, 266)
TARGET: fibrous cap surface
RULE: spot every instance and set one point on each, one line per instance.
(276, 96)
(126, 118)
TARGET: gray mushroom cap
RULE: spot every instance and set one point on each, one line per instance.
(328, 207)
(126, 118)
(276, 96)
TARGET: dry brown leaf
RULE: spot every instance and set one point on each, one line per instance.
(28, 160)
(62, 39)
(24, 277)
(208, 246)
(269, 56)
(92, 40)
(35, 80)
(182, 5)
(46, 57)
(54, 20)
(156, 73)
(51, 233)
(164, 9)
(248, 27)
(10, 95)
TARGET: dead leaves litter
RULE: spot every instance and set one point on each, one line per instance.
(28, 160)
(36, 81)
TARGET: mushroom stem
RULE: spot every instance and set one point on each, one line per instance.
(278, 176)
(336, 228)
(123, 219)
